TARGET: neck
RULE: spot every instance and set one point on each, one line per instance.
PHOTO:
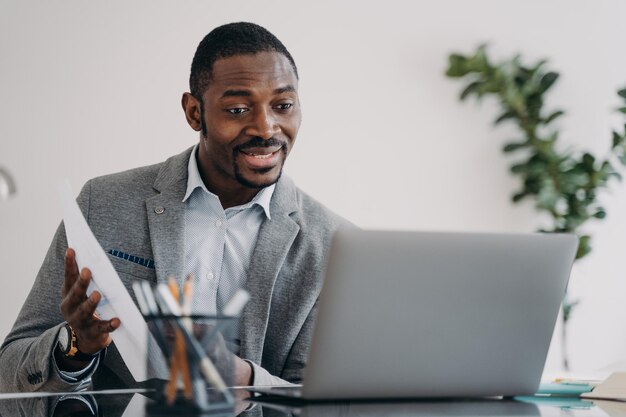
(230, 192)
(232, 198)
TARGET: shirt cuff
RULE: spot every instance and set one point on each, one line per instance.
(88, 400)
(262, 377)
(82, 375)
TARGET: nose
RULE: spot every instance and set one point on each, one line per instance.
(263, 125)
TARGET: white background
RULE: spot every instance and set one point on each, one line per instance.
(89, 88)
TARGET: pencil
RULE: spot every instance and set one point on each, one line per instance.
(180, 362)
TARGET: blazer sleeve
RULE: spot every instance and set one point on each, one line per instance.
(26, 362)
(293, 371)
(297, 359)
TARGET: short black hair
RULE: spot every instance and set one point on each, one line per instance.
(240, 38)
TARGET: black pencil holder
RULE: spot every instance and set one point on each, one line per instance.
(199, 351)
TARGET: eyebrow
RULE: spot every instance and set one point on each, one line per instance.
(286, 89)
(236, 93)
(245, 93)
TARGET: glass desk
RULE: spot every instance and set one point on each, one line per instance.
(133, 402)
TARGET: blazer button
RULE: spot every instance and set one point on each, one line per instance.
(159, 210)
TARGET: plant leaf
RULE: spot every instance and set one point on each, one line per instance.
(588, 160)
(622, 109)
(518, 196)
(513, 146)
(519, 168)
(504, 116)
(554, 116)
(547, 198)
(584, 246)
(600, 214)
(622, 93)
(568, 307)
(547, 81)
(457, 66)
(479, 61)
(472, 87)
(617, 140)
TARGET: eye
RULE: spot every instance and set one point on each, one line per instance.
(237, 110)
(283, 106)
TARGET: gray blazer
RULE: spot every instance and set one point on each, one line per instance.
(140, 212)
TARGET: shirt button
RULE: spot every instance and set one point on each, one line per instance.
(218, 223)
(210, 276)
(159, 210)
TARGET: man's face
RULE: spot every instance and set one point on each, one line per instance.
(250, 116)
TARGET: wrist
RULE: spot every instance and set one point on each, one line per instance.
(66, 364)
(243, 372)
(67, 345)
(249, 378)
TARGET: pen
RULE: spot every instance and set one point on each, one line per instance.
(180, 366)
(187, 295)
(199, 387)
(570, 381)
(180, 363)
(206, 365)
(149, 296)
(142, 301)
(232, 309)
(186, 302)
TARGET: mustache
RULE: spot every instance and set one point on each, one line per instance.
(258, 142)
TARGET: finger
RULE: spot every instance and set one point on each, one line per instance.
(88, 319)
(71, 270)
(72, 301)
(83, 280)
(97, 336)
(85, 313)
(102, 328)
(78, 292)
(98, 330)
(108, 326)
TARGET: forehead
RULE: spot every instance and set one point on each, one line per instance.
(263, 70)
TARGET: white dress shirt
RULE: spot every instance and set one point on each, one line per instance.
(219, 243)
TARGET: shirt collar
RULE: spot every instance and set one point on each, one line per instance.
(194, 180)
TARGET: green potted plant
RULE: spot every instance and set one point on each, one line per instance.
(561, 182)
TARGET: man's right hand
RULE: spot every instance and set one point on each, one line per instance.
(79, 311)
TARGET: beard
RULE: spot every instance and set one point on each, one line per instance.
(257, 142)
(257, 185)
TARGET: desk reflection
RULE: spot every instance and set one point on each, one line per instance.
(71, 404)
(129, 403)
(486, 408)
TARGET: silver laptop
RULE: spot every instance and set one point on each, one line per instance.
(427, 315)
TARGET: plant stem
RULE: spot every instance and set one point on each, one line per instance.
(564, 344)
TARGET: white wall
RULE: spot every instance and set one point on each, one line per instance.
(88, 88)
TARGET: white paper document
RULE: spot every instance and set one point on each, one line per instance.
(131, 338)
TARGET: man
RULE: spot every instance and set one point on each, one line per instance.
(220, 211)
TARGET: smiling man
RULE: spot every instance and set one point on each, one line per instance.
(221, 211)
(249, 115)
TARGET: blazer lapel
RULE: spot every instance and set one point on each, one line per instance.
(166, 222)
(274, 241)
(166, 217)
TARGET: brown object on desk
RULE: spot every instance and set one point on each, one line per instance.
(612, 388)
(179, 361)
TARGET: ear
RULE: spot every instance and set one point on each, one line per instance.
(191, 107)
